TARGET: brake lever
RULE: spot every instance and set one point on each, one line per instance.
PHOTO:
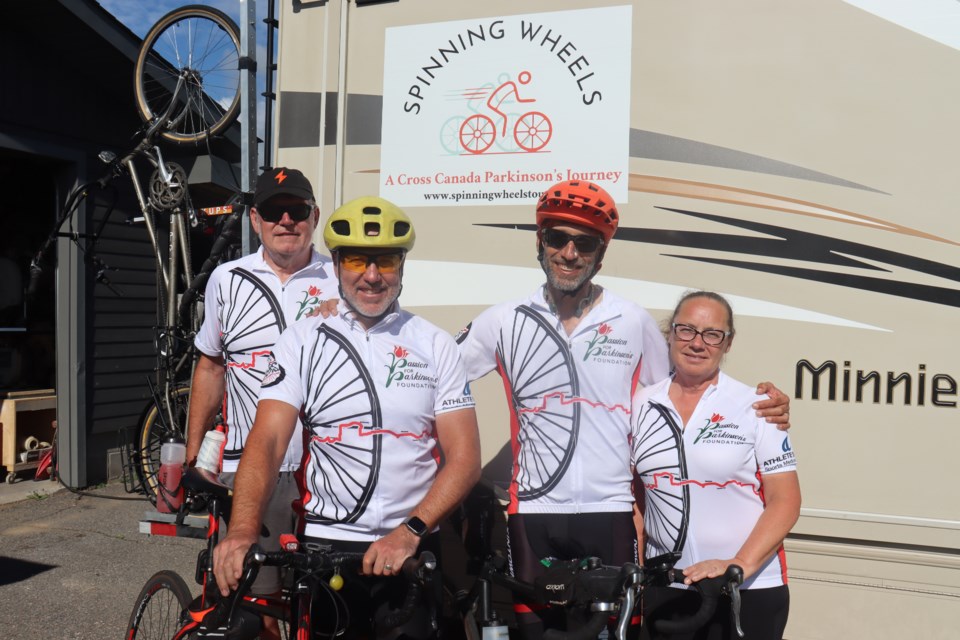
(734, 580)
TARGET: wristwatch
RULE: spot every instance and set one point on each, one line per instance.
(416, 526)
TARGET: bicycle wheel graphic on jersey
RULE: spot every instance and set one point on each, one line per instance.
(251, 317)
(545, 393)
(188, 72)
(342, 412)
(660, 462)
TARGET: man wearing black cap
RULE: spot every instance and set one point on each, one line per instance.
(248, 303)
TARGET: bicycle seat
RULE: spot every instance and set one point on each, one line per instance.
(202, 481)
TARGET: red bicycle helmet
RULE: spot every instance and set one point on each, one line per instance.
(579, 202)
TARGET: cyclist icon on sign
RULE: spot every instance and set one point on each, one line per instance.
(531, 130)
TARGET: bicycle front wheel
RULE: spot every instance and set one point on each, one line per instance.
(158, 614)
(154, 430)
(188, 74)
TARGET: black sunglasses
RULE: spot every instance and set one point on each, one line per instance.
(273, 212)
(558, 240)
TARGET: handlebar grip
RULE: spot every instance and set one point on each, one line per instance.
(413, 570)
(590, 630)
(710, 590)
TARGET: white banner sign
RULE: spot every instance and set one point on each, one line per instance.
(495, 110)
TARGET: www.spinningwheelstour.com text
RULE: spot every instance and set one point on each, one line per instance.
(489, 196)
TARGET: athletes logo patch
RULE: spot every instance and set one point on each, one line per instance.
(274, 374)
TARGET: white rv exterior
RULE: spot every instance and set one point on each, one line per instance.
(800, 157)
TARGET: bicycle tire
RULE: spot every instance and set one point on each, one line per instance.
(158, 613)
(202, 45)
(152, 434)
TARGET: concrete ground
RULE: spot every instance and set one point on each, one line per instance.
(71, 566)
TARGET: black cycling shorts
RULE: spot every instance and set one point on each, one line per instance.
(763, 613)
(531, 537)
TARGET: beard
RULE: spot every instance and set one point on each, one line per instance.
(568, 284)
(370, 310)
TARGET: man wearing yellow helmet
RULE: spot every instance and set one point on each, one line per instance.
(379, 391)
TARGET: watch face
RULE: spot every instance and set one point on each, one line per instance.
(417, 526)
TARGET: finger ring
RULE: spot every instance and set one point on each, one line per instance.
(388, 567)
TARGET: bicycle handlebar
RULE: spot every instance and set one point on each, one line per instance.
(222, 616)
(710, 590)
(415, 570)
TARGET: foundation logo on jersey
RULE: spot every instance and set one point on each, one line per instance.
(397, 365)
(716, 433)
(603, 347)
(275, 372)
(405, 371)
(310, 305)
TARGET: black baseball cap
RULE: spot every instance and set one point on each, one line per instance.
(281, 180)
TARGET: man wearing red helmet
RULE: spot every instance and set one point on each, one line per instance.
(571, 355)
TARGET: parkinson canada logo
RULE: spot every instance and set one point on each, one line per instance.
(274, 374)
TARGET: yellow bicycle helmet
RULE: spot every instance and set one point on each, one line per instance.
(369, 222)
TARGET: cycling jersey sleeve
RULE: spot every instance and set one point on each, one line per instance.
(283, 381)
(208, 338)
(773, 449)
(656, 359)
(453, 390)
(478, 344)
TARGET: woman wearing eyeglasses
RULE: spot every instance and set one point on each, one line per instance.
(720, 487)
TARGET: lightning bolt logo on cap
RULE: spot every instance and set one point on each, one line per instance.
(281, 176)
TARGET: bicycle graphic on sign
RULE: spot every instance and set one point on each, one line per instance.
(477, 133)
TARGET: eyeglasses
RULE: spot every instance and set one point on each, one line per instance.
(358, 262)
(273, 212)
(711, 337)
(556, 239)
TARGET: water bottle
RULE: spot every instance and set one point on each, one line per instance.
(209, 456)
(173, 454)
(495, 629)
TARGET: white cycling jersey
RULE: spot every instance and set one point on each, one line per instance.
(368, 400)
(703, 483)
(245, 309)
(569, 397)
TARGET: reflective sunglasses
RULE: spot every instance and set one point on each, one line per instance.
(558, 240)
(358, 262)
(273, 212)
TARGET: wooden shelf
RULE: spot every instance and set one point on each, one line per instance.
(25, 414)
